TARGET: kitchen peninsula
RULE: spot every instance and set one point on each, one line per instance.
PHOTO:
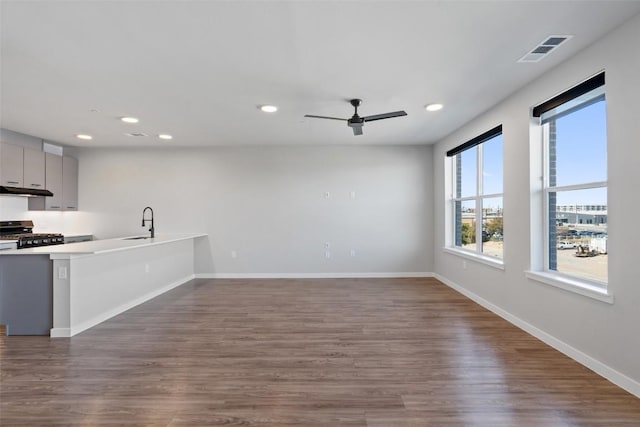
(89, 282)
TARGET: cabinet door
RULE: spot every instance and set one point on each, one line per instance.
(11, 165)
(53, 181)
(69, 184)
(33, 168)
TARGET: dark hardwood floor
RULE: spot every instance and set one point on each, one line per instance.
(348, 352)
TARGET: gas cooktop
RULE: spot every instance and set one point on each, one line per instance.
(22, 233)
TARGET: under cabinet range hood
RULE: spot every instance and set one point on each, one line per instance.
(21, 191)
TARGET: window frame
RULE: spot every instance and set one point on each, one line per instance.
(478, 198)
(592, 288)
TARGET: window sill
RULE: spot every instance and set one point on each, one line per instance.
(494, 262)
(572, 285)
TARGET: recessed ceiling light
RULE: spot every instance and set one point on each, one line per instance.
(269, 108)
(165, 136)
(433, 107)
(84, 136)
(129, 119)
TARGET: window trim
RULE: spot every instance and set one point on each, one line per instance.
(497, 263)
(595, 289)
(572, 284)
(478, 197)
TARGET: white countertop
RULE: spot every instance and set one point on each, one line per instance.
(95, 247)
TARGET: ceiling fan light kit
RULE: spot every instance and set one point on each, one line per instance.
(356, 122)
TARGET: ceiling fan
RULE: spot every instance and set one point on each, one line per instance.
(356, 122)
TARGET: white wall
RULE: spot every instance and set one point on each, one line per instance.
(13, 208)
(267, 204)
(604, 332)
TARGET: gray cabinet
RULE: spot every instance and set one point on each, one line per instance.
(11, 165)
(61, 178)
(53, 183)
(78, 238)
(34, 166)
(69, 184)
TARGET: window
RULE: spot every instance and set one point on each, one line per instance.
(477, 195)
(575, 183)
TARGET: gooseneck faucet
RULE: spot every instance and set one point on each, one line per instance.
(152, 230)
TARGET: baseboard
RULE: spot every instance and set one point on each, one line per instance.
(309, 275)
(595, 365)
(76, 329)
(60, 332)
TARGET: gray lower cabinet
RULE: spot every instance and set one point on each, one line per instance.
(26, 294)
(78, 238)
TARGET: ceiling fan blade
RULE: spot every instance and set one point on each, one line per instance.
(384, 116)
(357, 130)
(324, 117)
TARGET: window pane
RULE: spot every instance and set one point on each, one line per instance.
(492, 165)
(492, 232)
(580, 146)
(466, 227)
(468, 172)
(578, 233)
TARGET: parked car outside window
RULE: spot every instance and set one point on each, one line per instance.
(566, 245)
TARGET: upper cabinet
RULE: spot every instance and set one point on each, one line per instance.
(24, 167)
(53, 183)
(34, 169)
(69, 183)
(11, 165)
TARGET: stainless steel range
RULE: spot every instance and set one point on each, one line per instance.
(22, 233)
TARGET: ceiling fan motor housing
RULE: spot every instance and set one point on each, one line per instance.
(355, 121)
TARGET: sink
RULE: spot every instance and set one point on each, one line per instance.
(137, 238)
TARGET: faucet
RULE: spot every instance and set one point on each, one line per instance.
(152, 230)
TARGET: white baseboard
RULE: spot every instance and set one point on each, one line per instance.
(595, 365)
(309, 275)
(76, 329)
(59, 332)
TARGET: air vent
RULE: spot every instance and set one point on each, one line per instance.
(544, 48)
(136, 134)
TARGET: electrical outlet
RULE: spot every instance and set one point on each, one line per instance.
(327, 254)
(327, 245)
(62, 272)
(353, 252)
(327, 195)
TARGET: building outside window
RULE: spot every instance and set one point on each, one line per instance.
(477, 195)
(575, 182)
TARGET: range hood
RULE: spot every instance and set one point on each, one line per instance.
(21, 191)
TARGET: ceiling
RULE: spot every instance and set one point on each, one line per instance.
(198, 70)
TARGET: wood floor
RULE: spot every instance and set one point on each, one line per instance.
(348, 352)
